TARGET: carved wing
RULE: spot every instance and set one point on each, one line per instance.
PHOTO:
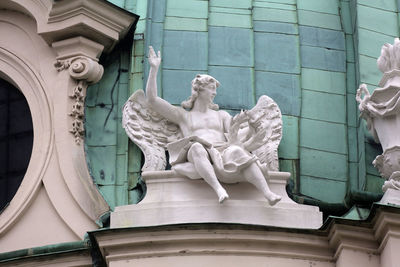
(270, 122)
(148, 130)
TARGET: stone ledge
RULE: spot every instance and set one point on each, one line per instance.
(171, 199)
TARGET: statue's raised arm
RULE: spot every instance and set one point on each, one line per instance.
(158, 104)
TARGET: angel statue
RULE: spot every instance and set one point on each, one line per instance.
(202, 141)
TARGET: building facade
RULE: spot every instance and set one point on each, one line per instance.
(77, 62)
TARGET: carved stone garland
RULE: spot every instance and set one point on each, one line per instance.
(381, 110)
(84, 71)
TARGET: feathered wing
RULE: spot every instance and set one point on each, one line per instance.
(271, 122)
(148, 130)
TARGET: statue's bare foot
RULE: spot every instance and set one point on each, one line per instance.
(273, 199)
(222, 195)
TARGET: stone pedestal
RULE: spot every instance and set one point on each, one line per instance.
(171, 199)
(391, 197)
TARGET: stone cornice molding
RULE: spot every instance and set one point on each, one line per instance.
(97, 20)
(164, 241)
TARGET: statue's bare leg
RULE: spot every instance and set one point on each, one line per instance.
(201, 161)
(254, 175)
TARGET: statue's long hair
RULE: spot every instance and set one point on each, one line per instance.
(197, 85)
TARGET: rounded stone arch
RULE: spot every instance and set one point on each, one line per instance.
(18, 72)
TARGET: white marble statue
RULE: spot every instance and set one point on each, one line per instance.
(202, 141)
(381, 110)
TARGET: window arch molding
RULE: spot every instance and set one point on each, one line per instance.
(18, 72)
(50, 51)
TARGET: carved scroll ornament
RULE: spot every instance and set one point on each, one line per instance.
(85, 71)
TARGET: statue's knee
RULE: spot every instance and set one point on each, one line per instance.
(198, 151)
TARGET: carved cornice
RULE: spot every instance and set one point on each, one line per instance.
(97, 20)
(93, 19)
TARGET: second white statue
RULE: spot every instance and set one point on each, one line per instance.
(202, 141)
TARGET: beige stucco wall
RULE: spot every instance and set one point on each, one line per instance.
(57, 200)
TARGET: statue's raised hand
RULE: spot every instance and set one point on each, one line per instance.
(154, 60)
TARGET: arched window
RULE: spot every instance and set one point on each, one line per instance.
(16, 139)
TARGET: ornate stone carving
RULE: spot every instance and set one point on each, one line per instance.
(202, 141)
(85, 71)
(381, 110)
(81, 68)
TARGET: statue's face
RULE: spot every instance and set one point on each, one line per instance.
(208, 91)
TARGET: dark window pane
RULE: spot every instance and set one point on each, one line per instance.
(16, 140)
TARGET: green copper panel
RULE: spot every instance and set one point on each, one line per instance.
(313, 36)
(276, 27)
(229, 20)
(156, 36)
(121, 169)
(230, 10)
(352, 141)
(277, 52)
(283, 88)
(388, 5)
(230, 46)
(185, 24)
(323, 81)
(290, 2)
(275, 5)
(374, 183)
(187, 8)
(102, 160)
(101, 127)
(279, 15)
(177, 84)
(135, 158)
(323, 135)
(370, 42)
(349, 48)
(115, 195)
(236, 90)
(185, 50)
(158, 10)
(323, 106)
(345, 16)
(351, 83)
(315, 19)
(353, 176)
(369, 73)
(330, 191)
(289, 146)
(321, 58)
(383, 21)
(100, 94)
(323, 164)
(352, 107)
(247, 4)
(325, 6)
